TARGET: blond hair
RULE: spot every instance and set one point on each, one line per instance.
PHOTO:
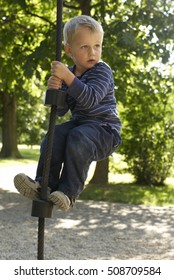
(78, 22)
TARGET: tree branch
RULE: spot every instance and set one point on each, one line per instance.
(66, 5)
(41, 17)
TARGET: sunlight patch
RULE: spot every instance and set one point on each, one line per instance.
(67, 223)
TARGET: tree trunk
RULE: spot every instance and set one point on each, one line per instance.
(101, 172)
(9, 127)
(85, 6)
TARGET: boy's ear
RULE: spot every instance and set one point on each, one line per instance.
(67, 49)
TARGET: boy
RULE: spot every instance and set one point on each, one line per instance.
(93, 132)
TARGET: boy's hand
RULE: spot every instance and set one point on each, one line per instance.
(60, 70)
(54, 82)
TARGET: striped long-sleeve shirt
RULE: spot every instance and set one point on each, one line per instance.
(91, 97)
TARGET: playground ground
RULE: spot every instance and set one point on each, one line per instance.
(91, 230)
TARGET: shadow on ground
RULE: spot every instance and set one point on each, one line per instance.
(92, 230)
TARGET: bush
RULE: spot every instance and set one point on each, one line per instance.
(148, 128)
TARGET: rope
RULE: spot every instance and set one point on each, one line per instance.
(48, 153)
(50, 136)
(40, 251)
(58, 30)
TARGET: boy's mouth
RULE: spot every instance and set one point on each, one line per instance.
(91, 61)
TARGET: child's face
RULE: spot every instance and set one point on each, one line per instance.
(85, 49)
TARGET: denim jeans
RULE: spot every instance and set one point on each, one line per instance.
(76, 144)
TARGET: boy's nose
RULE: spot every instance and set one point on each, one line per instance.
(92, 51)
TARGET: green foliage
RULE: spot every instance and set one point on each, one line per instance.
(138, 44)
(149, 129)
(23, 54)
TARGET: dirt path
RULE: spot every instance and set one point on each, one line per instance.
(91, 230)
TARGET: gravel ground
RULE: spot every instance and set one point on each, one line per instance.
(91, 230)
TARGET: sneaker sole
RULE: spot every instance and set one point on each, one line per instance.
(24, 188)
(60, 201)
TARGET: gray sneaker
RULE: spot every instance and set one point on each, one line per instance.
(26, 186)
(60, 200)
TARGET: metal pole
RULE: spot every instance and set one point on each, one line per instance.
(42, 208)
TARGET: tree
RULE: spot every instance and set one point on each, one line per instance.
(143, 37)
(26, 27)
(8, 87)
(140, 35)
(30, 25)
(148, 131)
(9, 133)
(137, 34)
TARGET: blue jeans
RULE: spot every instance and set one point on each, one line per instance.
(76, 144)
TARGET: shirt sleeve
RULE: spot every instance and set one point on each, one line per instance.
(92, 87)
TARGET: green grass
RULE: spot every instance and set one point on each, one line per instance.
(30, 155)
(121, 188)
(130, 193)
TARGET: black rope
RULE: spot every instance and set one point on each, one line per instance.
(50, 135)
(40, 248)
(59, 30)
(48, 152)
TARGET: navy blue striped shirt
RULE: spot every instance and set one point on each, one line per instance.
(91, 96)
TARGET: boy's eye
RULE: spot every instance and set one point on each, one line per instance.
(95, 47)
(84, 47)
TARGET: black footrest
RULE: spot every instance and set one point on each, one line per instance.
(41, 209)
